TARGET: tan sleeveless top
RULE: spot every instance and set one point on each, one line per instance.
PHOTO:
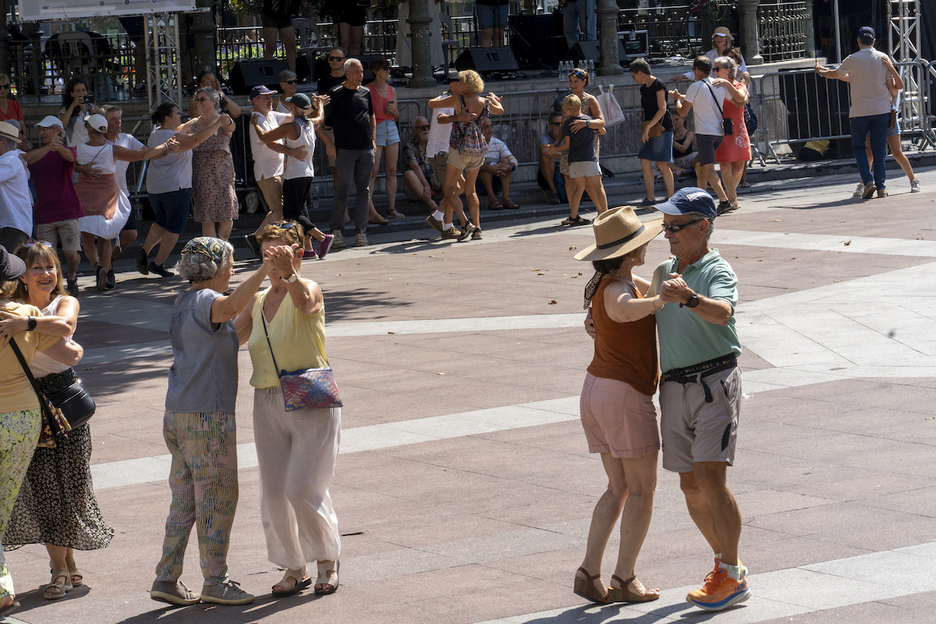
(624, 351)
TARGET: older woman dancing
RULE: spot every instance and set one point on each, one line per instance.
(296, 450)
(56, 504)
(213, 197)
(21, 419)
(199, 425)
(617, 408)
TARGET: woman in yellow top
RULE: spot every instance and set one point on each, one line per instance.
(20, 418)
(296, 450)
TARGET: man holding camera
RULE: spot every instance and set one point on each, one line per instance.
(706, 102)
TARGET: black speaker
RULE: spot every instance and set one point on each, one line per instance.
(537, 40)
(366, 60)
(245, 75)
(484, 60)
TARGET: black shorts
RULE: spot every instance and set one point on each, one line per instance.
(131, 220)
(353, 14)
(275, 20)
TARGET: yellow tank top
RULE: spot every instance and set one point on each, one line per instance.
(298, 341)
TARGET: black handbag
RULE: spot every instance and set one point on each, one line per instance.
(55, 426)
(76, 404)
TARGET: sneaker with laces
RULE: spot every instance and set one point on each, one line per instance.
(553, 199)
(337, 240)
(111, 280)
(101, 276)
(309, 254)
(451, 234)
(226, 593)
(469, 229)
(859, 191)
(720, 591)
(882, 192)
(253, 245)
(142, 261)
(360, 239)
(723, 207)
(869, 189)
(159, 270)
(914, 186)
(325, 245)
(434, 223)
(173, 593)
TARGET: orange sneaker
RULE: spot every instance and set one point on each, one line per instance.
(719, 592)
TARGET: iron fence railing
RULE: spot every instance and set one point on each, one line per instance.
(782, 27)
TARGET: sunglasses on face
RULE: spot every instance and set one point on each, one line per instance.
(4, 86)
(291, 81)
(335, 58)
(555, 123)
(425, 127)
(672, 229)
(30, 244)
(201, 99)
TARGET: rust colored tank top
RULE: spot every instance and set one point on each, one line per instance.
(624, 351)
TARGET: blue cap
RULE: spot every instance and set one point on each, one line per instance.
(866, 32)
(687, 200)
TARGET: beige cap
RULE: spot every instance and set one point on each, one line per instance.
(724, 32)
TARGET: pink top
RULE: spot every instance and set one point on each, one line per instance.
(13, 112)
(380, 104)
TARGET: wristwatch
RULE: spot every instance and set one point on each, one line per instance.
(31, 323)
(588, 123)
(693, 301)
(295, 276)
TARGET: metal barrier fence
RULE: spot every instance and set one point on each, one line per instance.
(797, 106)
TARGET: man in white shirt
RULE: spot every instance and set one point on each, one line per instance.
(707, 103)
(498, 166)
(15, 200)
(268, 160)
(866, 70)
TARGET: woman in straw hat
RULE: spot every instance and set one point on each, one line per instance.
(617, 409)
(722, 40)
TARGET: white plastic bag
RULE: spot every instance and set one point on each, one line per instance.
(613, 115)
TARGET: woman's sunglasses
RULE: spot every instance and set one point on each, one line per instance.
(30, 244)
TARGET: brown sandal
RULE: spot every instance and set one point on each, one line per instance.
(626, 595)
(586, 588)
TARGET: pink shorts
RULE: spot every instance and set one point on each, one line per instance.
(618, 419)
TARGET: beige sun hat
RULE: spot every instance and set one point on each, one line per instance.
(724, 32)
(619, 231)
(9, 131)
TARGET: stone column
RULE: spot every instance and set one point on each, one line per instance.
(419, 20)
(4, 54)
(750, 43)
(608, 38)
(810, 32)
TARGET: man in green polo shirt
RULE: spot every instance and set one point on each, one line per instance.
(701, 385)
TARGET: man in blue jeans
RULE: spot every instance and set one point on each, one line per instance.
(866, 70)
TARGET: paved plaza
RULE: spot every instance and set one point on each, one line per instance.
(464, 488)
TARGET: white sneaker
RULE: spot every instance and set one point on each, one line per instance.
(914, 186)
(337, 240)
(859, 191)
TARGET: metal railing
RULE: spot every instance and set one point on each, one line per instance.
(782, 27)
(798, 106)
(673, 29)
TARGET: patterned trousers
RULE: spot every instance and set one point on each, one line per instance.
(19, 432)
(203, 480)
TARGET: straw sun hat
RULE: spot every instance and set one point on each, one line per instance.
(618, 231)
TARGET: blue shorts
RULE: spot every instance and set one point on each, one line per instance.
(172, 209)
(658, 149)
(895, 131)
(490, 16)
(387, 133)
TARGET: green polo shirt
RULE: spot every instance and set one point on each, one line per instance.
(685, 338)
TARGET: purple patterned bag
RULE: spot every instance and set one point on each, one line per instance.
(307, 388)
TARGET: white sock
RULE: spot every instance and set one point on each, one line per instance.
(734, 571)
(446, 227)
(438, 214)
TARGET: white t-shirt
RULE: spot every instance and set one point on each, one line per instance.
(120, 168)
(708, 119)
(267, 163)
(172, 172)
(868, 79)
(439, 134)
(294, 168)
(15, 198)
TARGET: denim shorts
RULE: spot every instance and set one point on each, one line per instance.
(658, 149)
(172, 209)
(490, 16)
(387, 133)
(895, 131)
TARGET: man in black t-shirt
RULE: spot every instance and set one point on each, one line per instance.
(351, 114)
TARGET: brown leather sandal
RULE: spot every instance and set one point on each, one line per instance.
(585, 587)
(626, 595)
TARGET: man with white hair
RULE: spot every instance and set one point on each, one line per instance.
(57, 207)
(15, 200)
(351, 113)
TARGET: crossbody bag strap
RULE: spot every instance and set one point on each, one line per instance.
(275, 365)
(720, 111)
(29, 375)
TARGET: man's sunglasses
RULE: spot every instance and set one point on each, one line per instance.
(336, 58)
(423, 127)
(672, 229)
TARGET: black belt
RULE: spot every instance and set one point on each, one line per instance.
(694, 373)
(56, 382)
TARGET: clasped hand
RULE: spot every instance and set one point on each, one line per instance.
(675, 290)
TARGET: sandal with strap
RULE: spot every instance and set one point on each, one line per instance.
(295, 580)
(585, 587)
(75, 575)
(511, 204)
(624, 594)
(393, 214)
(579, 220)
(327, 581)
(59, 585)
(495, 205)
